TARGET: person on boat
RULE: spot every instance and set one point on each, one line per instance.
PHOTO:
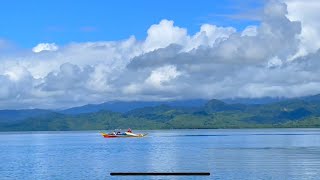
(129, 130)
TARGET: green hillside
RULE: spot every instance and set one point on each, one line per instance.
(214, 114)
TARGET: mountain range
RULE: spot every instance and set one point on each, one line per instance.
(228, 113)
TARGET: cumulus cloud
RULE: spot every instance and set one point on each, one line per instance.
(307, 12)
(163, 34)
(162, 75)
(215, 62)
(45, 47)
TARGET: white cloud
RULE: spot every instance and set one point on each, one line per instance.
(274, 62)
(215, 62)
(163, 34)
(45, 47)
(208, 36)
(162, 75)
(16, 73)
(307, 12)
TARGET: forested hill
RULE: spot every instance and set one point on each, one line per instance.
(297, 113)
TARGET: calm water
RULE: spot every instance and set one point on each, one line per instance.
(226, 154)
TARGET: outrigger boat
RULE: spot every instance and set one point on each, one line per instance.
(118, 134)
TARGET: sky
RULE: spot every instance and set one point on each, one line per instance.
(63, 22)
(59, 54)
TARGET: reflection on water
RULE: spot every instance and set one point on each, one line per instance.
(226, 154)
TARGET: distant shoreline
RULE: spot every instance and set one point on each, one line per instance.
(289, 128)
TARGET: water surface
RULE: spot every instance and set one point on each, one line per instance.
(226, 154)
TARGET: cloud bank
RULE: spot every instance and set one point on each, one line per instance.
(276, 58)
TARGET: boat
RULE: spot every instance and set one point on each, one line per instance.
(119, 134)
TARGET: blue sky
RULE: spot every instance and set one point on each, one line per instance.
(58, 54)
(27, 23)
